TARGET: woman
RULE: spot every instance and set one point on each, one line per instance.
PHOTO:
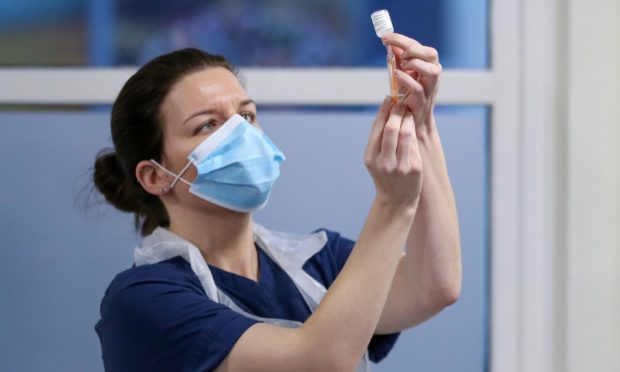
(211, 289)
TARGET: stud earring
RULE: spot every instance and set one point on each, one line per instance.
(165, 189)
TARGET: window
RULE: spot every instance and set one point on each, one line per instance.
(310, 47)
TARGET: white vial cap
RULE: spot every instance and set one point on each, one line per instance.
(382, 22)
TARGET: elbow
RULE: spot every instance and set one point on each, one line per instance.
(450, 296)
(444, 297)
(449, 291)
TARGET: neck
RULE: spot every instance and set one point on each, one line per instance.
(224, 238)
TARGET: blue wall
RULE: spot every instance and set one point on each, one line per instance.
(58, 256)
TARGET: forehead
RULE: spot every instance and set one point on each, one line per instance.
(205, 89)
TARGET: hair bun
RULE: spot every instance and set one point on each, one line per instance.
(113, 183)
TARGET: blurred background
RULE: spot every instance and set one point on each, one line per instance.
(249, 33)
(528, 114)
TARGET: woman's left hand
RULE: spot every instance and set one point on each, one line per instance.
(418, 77)
(428, 278)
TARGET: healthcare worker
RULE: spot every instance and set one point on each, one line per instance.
(210, 289)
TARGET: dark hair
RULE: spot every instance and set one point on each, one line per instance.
(137, 133)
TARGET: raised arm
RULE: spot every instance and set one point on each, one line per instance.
(336, 335)
(428, 277)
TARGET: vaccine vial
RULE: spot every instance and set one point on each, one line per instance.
(383, 25)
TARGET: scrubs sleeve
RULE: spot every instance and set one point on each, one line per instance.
(165, 322)
(340, 248)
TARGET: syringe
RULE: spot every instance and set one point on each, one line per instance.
(383, 26)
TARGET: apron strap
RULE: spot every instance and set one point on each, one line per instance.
(291, 252)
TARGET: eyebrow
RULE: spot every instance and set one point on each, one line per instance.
(245, 102)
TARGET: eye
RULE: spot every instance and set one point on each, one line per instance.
(207, 126)
(249, 116)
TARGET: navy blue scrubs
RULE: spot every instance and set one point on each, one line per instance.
(158, 318)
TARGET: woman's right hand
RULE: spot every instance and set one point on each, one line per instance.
(393, 158)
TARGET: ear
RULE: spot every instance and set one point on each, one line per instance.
(152, 178)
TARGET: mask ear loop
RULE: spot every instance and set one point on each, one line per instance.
(177, 177)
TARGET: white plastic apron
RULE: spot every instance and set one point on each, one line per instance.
(289, 251)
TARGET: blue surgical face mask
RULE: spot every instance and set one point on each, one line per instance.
(236, 167)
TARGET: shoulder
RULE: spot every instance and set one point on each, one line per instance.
(155, 290)
(158, 317)
(175, 271)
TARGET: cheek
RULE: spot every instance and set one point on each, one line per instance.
(190, 174)
(175, 156)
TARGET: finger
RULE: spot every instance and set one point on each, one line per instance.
(411, 48)
(383, 113)
(399, 40)
(407, 131)
(416, 91)
(413, 144)
(391, 130)
(397, 52)
(374, 140)
(429, 71)
(397, 55)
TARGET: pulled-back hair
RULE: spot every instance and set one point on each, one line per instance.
(137, 133)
